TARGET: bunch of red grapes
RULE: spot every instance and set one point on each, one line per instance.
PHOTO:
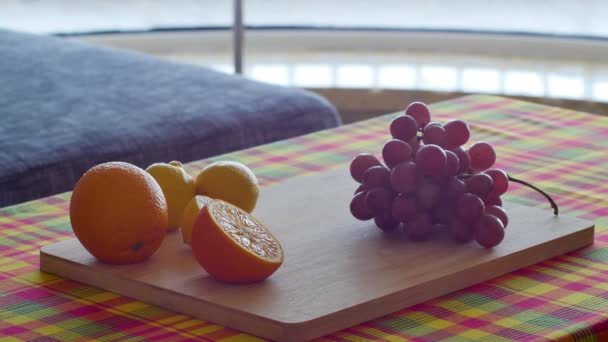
(429, 182)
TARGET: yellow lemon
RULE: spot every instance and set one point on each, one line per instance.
(229, 181)
(191, 212)
(178, 187)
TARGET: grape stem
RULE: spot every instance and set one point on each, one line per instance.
(511, 179)
(553, 204)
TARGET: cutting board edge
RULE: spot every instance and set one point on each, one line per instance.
(146, 293)
(396, 301)
(322, 325)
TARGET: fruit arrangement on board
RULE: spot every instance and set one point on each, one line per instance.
(429, 183)
(121, 213)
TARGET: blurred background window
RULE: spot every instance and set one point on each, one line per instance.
(545, 49)
(554, 17)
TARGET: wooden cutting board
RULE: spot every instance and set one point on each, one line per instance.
(338, 271)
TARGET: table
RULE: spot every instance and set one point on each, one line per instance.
(564, 299)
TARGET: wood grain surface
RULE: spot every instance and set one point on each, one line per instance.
(337, 272)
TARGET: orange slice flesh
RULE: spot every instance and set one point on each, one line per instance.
(233, 246)
(247, 232)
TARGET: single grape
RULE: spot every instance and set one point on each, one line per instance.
(430, 160)
(480, 184)
(499, 212)
(420, 112)
(454, 188)
(404, 207)
(385, 221)
(396, 151)
(463, 159)
(377, 177)
(457, 133)
(443, 212)
(378, 200)
(420, 227)
(434, 134)
(440, 227)
(428, 194)
(482, 156)
(452, 164)
(404, 127)
(493, 200)
(489, 231)
(469, 208)
(404, 177)
(501, 181)
(461, 231)
(360, 164)
(359, 209)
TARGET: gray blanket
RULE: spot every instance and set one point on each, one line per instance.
(66, 106)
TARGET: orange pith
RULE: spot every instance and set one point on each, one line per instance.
(246, 232)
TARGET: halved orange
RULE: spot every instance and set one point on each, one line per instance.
(233, 246)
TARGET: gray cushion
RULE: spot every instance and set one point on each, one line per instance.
(66, 106)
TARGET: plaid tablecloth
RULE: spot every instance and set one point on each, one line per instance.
(562, 299)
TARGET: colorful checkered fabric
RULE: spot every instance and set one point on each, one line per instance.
(562, 299)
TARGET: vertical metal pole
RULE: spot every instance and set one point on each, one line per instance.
(238, 36)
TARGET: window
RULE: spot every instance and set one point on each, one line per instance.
(533, 48)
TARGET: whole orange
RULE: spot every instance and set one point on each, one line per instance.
(232, 245)
(119, 213)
